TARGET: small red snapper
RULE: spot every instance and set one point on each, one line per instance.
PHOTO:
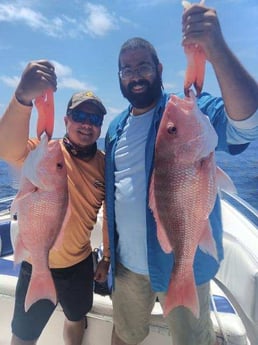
(41, 206)
(183, 192)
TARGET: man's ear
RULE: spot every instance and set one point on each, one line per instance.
(65, 120)
(160, 69)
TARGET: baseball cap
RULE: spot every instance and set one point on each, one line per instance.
(85, 96)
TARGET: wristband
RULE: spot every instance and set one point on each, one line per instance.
(106, 258)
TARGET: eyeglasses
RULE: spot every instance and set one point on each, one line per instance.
(144, 71)
(81, 116)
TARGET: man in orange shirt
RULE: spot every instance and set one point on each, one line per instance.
(71, 265)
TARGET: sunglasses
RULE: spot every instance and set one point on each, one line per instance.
(81, 117)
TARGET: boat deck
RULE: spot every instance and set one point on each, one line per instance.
(236, 287)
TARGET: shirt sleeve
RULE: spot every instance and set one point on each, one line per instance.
(245, 130)
(233, 136)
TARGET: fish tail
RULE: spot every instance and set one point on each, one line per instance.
(200, 61)
(182, 294)
(190, 74)
(41, 286)
(45, 107)
(195, 70)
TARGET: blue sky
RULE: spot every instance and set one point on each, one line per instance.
(83, 38)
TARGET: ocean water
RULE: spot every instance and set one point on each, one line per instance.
(243, 169)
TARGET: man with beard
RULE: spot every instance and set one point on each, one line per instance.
(141, 270)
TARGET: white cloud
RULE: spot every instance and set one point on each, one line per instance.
(10, 81)
(98, 20)
(114, 111)
(75, 84)
(15, 13)
(95, 20)
(169, 86)
(147, 3)
(65, 79)
(61, 70)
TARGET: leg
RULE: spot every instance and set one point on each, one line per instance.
(116, 340)
(73, 332)
(188, 330)
(133, 302)
(75, 292)
(27, 326)
(17, 341)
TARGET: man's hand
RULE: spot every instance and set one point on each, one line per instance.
(37, 77)
(200, 26)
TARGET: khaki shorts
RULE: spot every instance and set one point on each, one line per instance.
(133, 301)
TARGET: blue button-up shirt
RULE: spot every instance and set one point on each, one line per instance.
(232, 138)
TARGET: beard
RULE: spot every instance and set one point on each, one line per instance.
(146, 98)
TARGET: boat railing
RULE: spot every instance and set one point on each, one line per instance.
(241, 205)
(5, 203)
(7, 199)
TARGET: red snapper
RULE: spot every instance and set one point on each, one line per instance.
(183, 192)
(41, 207)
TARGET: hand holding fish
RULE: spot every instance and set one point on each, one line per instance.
(202, 39)
(37, 77)
(200, 25)
(38, 82)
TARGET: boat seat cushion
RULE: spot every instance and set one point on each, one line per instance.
(8, 268)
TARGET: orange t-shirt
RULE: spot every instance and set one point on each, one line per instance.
(86, 187)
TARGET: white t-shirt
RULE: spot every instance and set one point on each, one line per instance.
(130, 193)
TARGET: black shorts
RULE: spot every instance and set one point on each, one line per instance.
(74, 286)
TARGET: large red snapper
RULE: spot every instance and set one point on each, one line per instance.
(41, 206)
(183, 192)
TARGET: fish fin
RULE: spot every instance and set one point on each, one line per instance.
(183, 293)
(224, 181)
(161, 233)
(32, 162)
(41, 286)
(27, 188)
(20, 252)
(207, 243)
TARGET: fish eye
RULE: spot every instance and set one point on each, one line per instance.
(59, 166)
(172, 129)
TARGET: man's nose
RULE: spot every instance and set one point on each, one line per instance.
(87, 123)
(136, 74)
